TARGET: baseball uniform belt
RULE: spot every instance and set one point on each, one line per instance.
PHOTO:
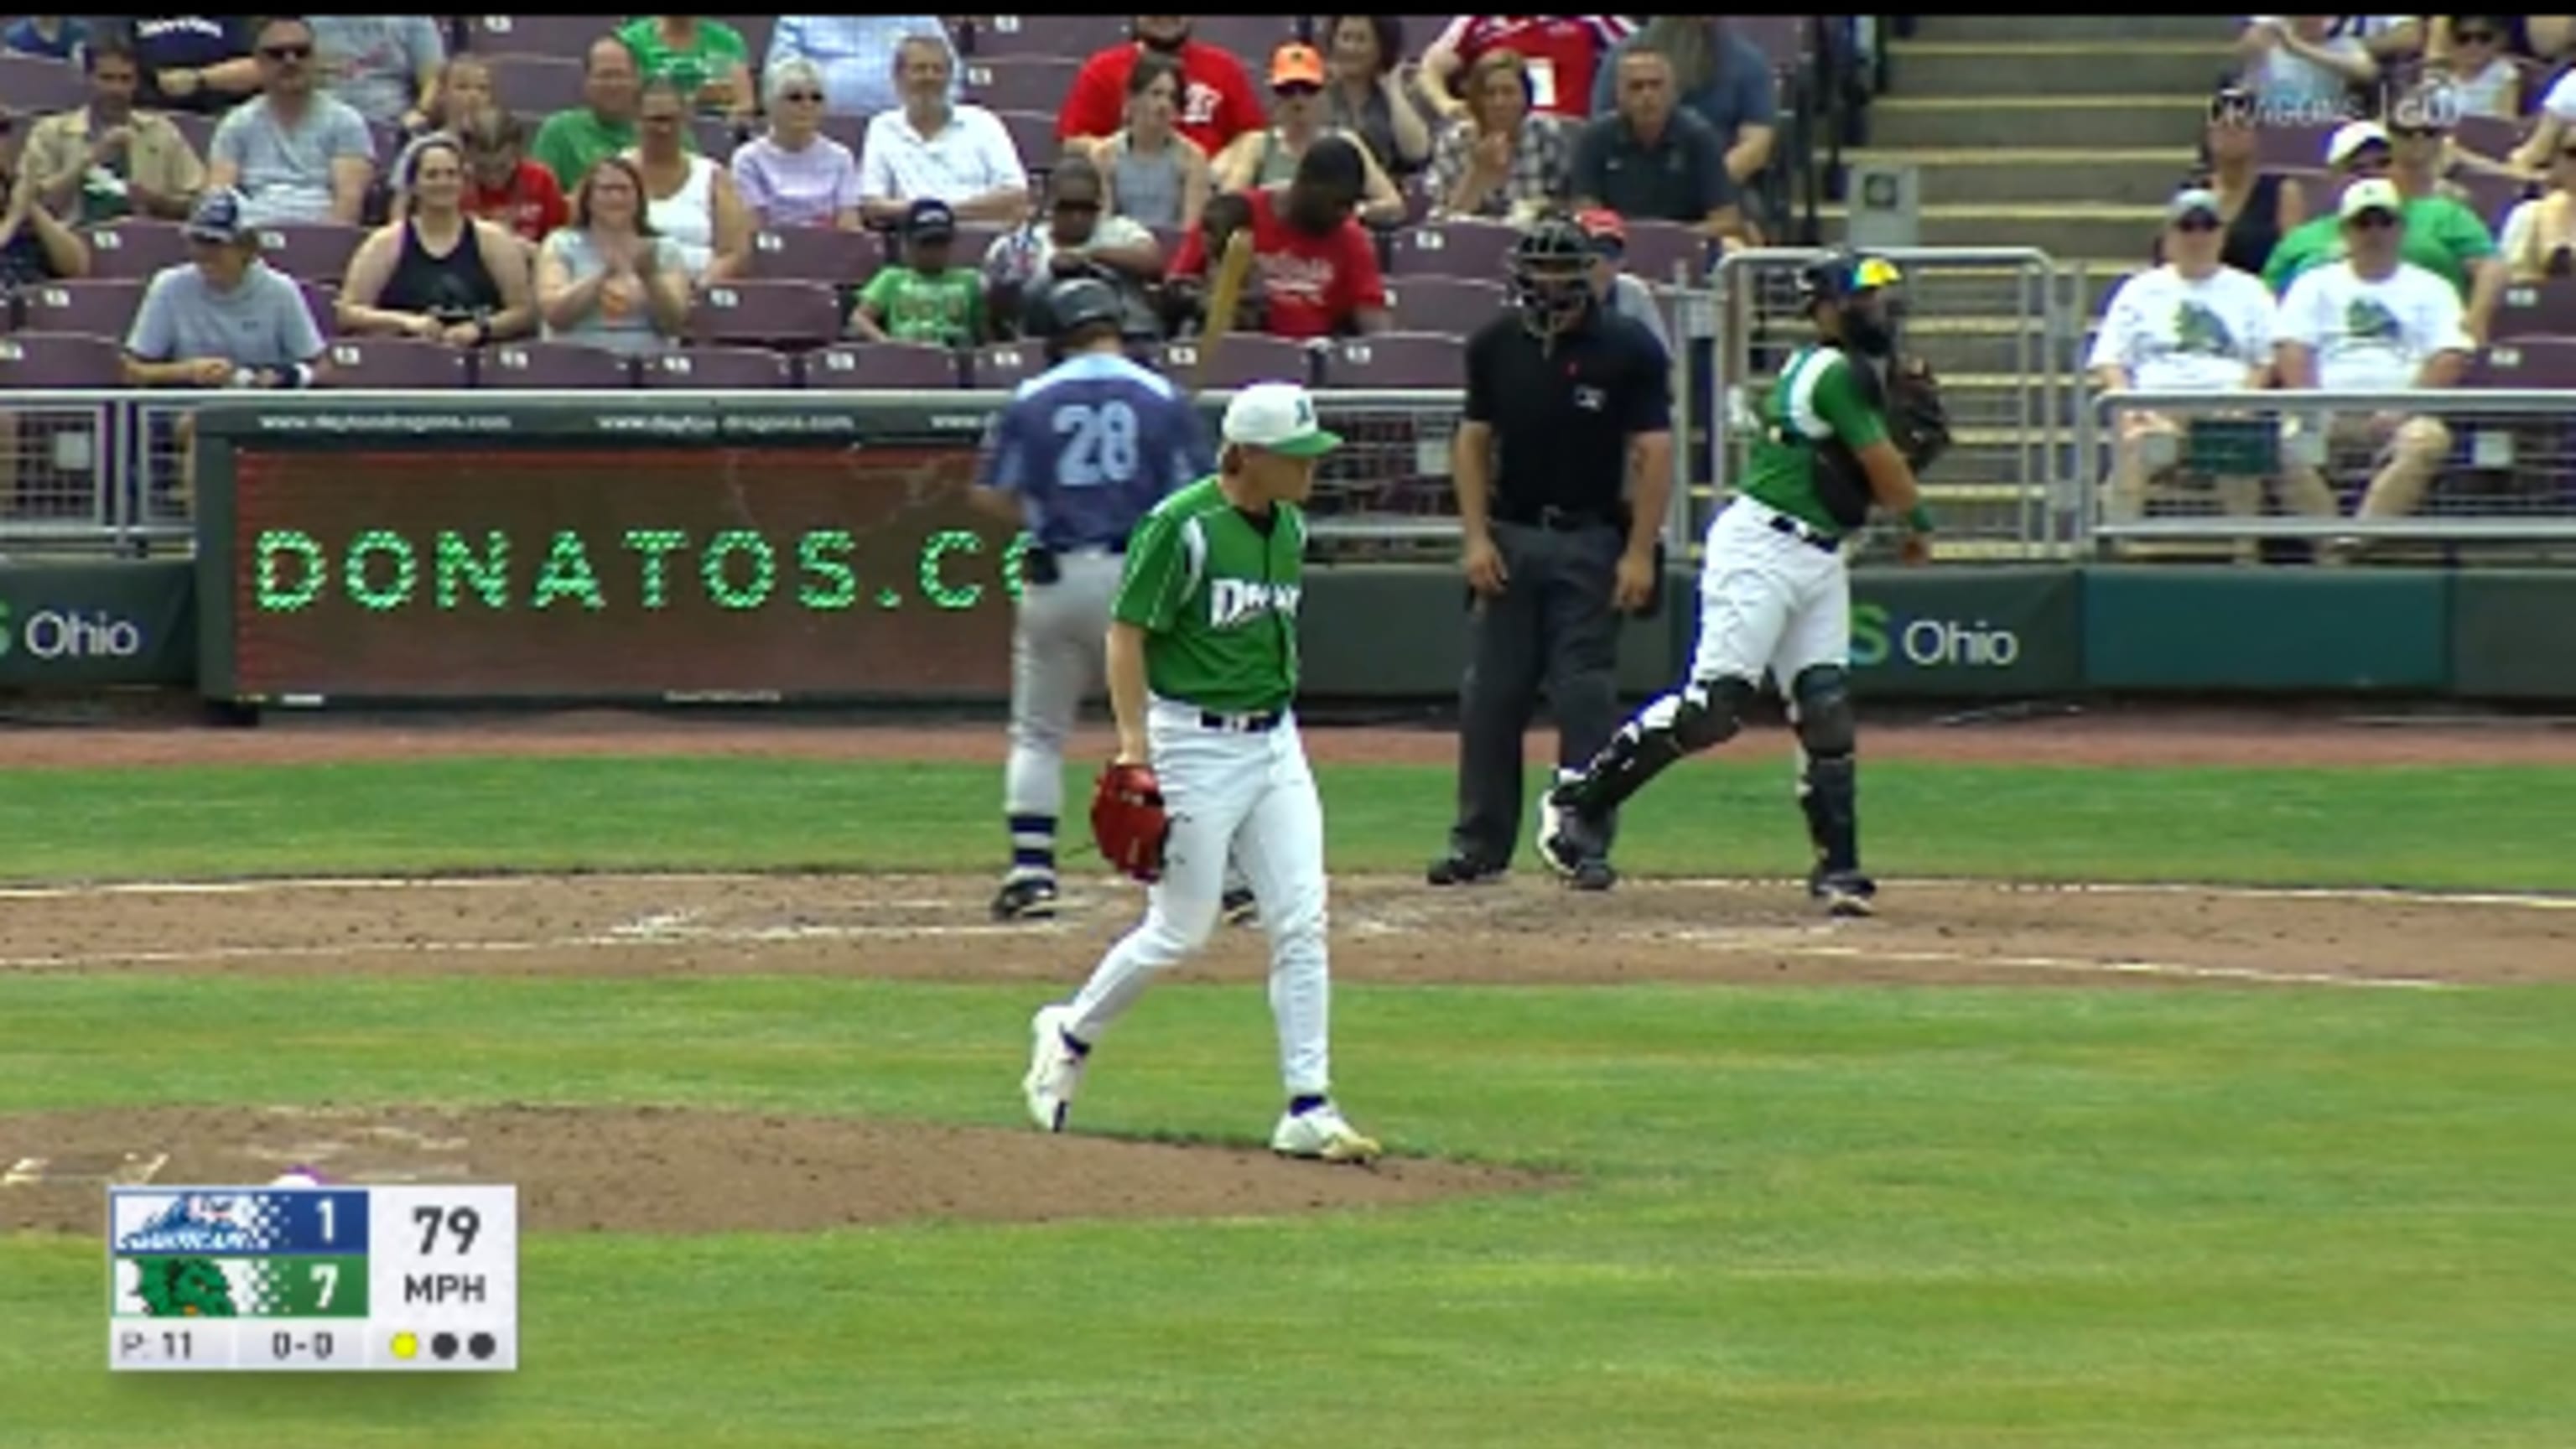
(1038, 565)
(1812, 538)
(1240, 724)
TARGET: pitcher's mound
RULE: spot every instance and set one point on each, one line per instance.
(673, 1170)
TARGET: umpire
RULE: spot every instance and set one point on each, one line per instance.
(1566, 403)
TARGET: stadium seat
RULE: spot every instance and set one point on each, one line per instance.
(310, 251)
(1253, 37)
(1246, 358)
(709, 368)
(553, 365)
(134, 250)
(855, 366)
(322, 299)
(2291, 145)
(547, 35)
(58, 359)
(1078, 36)
(2542, 309)
(1453, 249)
(767, 314)
(815, 254)
(2489, 136)
(199, 130)
(34, 85)
(2532, 362)
(974, 239)
(398, 362)
(95, 308)
(1445, 304)
(2490, 196)
(1396, 359)
(1022, 82)
(714, 136)
(850, 131)
(1033, 136)
(1782, 39)
(1005, 365)
(1656, 247)
(756, 32)
(538, 85)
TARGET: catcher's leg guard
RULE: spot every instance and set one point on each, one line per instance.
(1828, 783)
(1700, 714)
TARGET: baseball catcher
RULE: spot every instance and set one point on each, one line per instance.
(1775, 593)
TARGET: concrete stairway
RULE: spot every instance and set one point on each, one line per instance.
(2059, 132)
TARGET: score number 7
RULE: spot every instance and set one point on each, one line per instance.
(461, 1224)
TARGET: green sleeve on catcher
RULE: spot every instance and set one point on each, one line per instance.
(1839, 400)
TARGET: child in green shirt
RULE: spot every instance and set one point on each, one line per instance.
(924, 299)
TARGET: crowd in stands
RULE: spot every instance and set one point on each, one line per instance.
(655, 183)
(2380, 201)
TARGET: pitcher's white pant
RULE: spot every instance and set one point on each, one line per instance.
(1056, 651)
(1251, 796)
(1768, 599)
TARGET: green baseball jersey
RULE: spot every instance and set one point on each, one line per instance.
(1816, 399)
(2442, 237)
(1215, 591)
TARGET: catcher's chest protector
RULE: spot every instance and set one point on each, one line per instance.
(1841, 484)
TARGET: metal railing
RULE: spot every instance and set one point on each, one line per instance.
(60, 457)
(2002, 326)
(2238, 466)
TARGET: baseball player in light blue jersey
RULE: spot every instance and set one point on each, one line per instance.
(1081, 452)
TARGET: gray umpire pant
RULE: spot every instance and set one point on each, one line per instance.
(1553, 622)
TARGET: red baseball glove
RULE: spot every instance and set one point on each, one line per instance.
(1127, 820)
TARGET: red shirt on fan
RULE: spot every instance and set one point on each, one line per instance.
(531, 205)
(1218, 102)
(1312, 285)
(1561, 52)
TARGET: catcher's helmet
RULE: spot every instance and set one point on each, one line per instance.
(1552, 273)
(1841, 274)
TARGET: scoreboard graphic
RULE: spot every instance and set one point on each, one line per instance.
(323, 1277)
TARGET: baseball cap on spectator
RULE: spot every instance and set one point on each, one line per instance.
(217, 218)
(2193, 201)
(2353, 137)
(1603, 228)
(1296, 64)
(930, 219)
(1278, 417)
(2369, 195)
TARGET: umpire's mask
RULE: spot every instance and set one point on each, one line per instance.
(1552, 275)
(1862, 292)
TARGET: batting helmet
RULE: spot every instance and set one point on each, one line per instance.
(1057, 312)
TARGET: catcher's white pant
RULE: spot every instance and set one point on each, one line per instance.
(1768, 599)
(1250, 795)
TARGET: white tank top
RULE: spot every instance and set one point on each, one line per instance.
(688, 216)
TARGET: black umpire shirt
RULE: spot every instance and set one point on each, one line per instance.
(1563, 413)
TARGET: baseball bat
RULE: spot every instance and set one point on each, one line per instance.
(1223, 297)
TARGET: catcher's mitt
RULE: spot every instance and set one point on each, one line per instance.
(1127, 820)
(1917, 421)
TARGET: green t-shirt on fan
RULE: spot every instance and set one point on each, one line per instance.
(2442, 237)
(1816, 399)
(719, 49)
(571, 142)
(1216, 594)
(945, 309)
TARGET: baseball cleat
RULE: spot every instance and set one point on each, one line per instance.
(1458, 868)
(1846, 893)
(1594, 874)
(1030, 898)
(1320, 1134)
(1055, 1069)
(1239, 908)
(1566, 837)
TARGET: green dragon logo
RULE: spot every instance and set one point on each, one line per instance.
(185, 1288)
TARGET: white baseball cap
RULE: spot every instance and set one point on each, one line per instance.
(2351, 136)
(2372, 193)
(1280, 418)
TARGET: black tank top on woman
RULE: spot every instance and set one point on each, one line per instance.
(2257, 227)
(454, 288)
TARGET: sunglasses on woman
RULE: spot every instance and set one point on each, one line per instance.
(286, 52)
(801, 96)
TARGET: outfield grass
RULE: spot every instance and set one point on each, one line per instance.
(2501, 828)
(1848, 1217)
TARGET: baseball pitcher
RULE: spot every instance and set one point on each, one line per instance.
(1078, 455)
(1848, 423)
(1202, 675)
